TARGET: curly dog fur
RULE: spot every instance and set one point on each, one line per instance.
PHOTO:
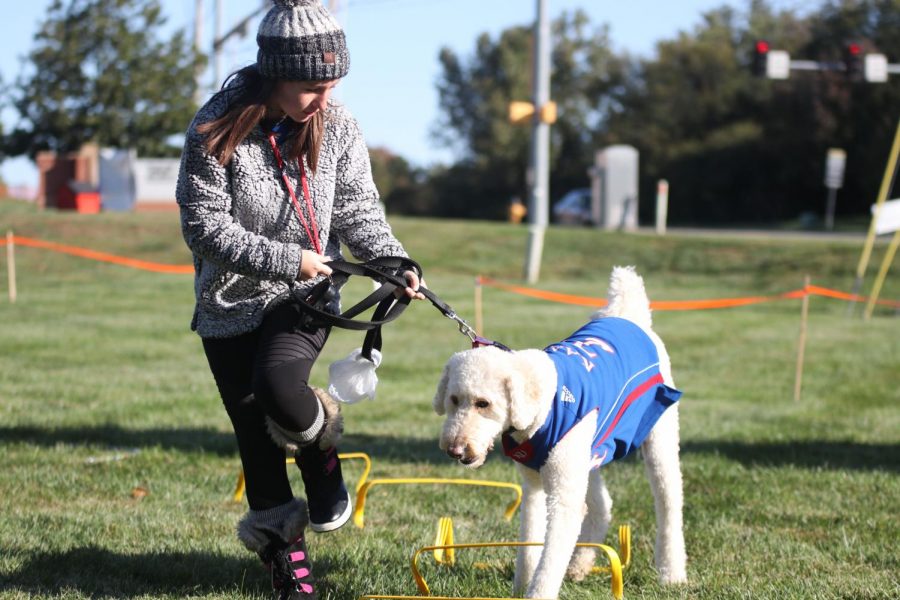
(486, 391)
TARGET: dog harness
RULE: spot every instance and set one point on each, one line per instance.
(609, 366)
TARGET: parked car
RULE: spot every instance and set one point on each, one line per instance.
(574, 208)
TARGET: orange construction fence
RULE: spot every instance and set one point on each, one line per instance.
(810, 290)
(102, 256)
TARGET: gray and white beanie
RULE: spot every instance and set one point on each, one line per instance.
(300, 40)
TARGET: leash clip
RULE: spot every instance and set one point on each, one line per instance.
(464, 328)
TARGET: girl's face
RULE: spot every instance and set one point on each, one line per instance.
(300, 100)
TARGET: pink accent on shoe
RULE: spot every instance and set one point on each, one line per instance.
(331, 464)
(295, 556)
(306, 588)
(299, 573)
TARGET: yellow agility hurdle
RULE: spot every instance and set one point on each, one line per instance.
(241, 484)
(363, 491)
(444, 538)
(615, 565)
(447, 557)
(624, 549)
(380, 597)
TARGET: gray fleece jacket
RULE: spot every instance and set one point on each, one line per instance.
(242, 228)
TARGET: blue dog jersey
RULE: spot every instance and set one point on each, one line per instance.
(610, 366)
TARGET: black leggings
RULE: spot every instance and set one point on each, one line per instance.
(266, 372)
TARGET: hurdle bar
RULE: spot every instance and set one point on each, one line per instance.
(382, 597)
(448, 557)
(615, 565)
(241, 486)
(363, 491)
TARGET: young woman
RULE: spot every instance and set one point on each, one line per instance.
(274, 177)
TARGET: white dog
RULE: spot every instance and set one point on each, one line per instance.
(563, 412)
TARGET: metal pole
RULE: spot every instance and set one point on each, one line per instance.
(829, 208)
(540, 146)
(887, 183)
(198, 48)
(217, 48)
(662, 206)
(882, 274)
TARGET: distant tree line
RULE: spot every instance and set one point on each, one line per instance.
(735, 148)
(100, 71)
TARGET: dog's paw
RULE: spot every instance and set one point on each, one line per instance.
(672, 576)
(581, 564)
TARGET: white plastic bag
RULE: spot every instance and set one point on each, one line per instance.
(353, 378)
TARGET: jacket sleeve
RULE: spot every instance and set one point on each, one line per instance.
(358, 217)
(204, 198)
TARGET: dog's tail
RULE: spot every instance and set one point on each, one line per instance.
(627, 298)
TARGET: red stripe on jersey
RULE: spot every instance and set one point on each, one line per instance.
(634, 395)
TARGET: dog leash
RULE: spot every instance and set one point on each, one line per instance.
(388, 271)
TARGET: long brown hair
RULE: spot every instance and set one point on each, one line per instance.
(246, 109)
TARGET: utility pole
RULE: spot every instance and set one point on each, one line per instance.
(539, 169)
(217, 45)
(240, 29)
(198, 48)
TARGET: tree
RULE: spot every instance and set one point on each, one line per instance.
(99, 71)
(401, 186)
(734, 147)
(474, 99)
(740, 149)
(701, 120)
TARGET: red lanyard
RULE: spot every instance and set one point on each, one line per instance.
(314, 234)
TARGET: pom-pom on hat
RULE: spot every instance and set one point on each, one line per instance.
(301, 41)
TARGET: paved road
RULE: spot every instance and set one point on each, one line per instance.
(843, 236)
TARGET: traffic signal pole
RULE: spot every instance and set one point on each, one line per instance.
(857, 64)
(539, 169)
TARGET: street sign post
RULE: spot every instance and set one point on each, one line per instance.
(835, 162)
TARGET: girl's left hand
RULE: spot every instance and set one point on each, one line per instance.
(412, 290)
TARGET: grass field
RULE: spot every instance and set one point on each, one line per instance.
(784, 499)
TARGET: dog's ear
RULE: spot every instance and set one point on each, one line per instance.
(523, 390)
(515, 391)
(438, 402)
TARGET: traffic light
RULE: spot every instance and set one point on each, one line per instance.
(523, 112)
(760, 57)
(853, 61)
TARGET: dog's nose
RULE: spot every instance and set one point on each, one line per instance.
(455, 452)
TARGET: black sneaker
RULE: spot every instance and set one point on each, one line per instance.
(291, 570)
(326, 494)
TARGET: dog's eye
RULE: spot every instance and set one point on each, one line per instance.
(482, 403)
(454, 400)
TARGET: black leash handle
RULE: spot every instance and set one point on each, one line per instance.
(389, 272)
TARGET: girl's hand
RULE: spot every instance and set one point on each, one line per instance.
(413, 289)
(312, 265)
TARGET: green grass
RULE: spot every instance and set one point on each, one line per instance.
(783, 499)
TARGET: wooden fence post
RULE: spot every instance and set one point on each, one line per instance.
(479, 323)
(11, 265)
(804, 317)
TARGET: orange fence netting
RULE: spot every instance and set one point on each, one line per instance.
(103, 256)
(811, 290)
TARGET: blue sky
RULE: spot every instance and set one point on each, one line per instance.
(394, 46)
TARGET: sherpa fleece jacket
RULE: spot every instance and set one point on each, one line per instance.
(242, 228)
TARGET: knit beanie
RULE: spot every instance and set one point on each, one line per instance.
(299, 40)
